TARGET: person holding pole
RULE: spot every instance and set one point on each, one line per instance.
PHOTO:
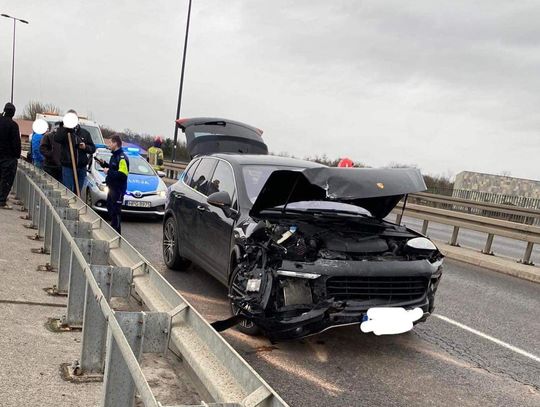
(117, 170)
(76, 145)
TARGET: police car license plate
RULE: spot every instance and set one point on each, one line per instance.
(138, 204)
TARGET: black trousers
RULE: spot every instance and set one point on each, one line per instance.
(55, 172)
(8, 169)
(114, 207)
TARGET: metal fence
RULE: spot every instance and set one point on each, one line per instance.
(95, 264)
(511, 200)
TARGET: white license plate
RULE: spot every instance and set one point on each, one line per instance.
(138, 204)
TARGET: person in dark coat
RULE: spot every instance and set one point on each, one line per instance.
(117, 170)
(50, 150)
(10, 152)
(83, 146)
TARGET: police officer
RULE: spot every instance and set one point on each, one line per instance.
(117, 171)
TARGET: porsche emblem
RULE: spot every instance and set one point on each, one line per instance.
(380, 185)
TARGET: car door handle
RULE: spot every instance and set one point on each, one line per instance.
(202, 208)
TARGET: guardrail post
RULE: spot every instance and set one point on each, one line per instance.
(76, 229)
(95, 252)
(453, 240)
(145, 333)
(55, 234)
(489, 242)
(113, 282)
(425, 225)
(528, 253)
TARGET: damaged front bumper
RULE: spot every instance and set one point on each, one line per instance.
(308, 298)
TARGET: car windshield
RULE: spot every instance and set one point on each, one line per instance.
(95, 133)
(256, 175)
(137, 164)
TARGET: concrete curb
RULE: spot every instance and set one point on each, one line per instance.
(499, 264)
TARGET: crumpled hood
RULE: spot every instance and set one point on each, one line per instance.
(377, 190)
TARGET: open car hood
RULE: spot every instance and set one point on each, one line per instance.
(207, 135)
(377, 190)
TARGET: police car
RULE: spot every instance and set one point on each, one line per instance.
(146, 191)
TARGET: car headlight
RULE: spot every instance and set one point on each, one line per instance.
(162, 194)
(103, 188)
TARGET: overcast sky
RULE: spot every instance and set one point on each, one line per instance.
(448, 86)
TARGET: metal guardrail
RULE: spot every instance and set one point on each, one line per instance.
(487, 209)
(174, 169)
(94, 264)
(492, 227)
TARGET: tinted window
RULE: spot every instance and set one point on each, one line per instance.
(187, 176)
(223, 179)
(201, 177)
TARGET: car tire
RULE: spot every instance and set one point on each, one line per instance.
(171, 256)
(246, 327)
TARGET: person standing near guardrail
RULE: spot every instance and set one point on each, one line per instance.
(117, 170)
(50, 150)
(80, 141)
(155, 154)
(10, 151)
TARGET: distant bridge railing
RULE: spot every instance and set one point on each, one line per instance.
(492, 227)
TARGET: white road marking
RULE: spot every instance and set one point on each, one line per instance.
(489, 338)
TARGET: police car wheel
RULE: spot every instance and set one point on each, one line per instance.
(170, 246)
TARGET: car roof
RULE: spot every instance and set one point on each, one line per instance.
(263, 159)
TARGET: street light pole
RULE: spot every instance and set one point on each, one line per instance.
(15, 19)
(181, 82)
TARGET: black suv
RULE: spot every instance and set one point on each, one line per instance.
(301, 246)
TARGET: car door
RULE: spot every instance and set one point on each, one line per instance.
(216, 228)
(180, 204)
(195, 205)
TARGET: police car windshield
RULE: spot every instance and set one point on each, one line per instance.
(137, 165)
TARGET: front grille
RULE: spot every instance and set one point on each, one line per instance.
(384, 290)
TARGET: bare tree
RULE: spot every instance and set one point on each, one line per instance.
(34, 107)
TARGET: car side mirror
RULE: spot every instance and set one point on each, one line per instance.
(161, 174)
(222, 199)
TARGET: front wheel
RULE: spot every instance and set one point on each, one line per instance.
(171, 257)
(237, 288)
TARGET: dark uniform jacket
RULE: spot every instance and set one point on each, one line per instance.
(118, 172)
(10, 139)
(78, 135)
(50, 150)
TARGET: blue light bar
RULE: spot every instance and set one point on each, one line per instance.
(133, 150)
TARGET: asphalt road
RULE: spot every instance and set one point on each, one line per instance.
(438, 363)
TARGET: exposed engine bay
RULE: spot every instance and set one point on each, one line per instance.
(301, 276)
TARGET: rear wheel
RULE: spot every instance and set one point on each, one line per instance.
(237, 288)
(171, 257)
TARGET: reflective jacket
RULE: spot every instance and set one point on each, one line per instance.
(155, 158)
(118, 171)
